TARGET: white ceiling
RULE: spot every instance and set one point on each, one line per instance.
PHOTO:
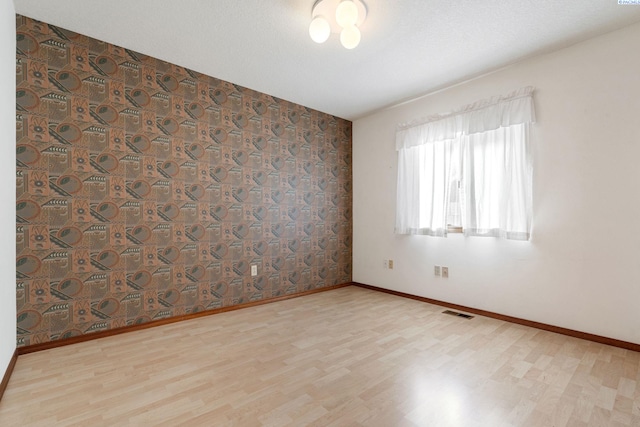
(408, 47)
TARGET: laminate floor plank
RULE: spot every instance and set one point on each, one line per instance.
(349, 356)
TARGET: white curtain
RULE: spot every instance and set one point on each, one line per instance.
(486, 144)
(425, 169)
(497, 183)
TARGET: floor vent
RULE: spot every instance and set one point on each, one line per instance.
(455, 313)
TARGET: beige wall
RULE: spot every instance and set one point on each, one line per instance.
(7, 192)
(581, 269)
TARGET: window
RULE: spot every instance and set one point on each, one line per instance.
(454, 208)
(469, 170)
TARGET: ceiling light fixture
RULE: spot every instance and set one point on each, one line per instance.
(337, 16)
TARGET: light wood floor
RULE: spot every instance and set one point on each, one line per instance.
(345, 357)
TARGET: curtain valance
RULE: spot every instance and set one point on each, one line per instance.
(481, 116)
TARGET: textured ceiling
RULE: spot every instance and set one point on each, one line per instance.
(408, 47)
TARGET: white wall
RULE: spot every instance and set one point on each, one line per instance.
(7, 186)
(581, 269)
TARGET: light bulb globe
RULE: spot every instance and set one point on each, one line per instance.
(319, 29)
(347, 14)
(350, 37)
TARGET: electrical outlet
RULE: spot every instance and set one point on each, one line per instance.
(254, 270)
(385, 264)
(445, 272)
(436, 270)
(390, 264)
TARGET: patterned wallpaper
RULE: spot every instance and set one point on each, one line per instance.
(146, 190)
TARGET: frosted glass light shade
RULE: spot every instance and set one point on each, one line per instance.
(319, 29)
(346, 14)
(350, 37)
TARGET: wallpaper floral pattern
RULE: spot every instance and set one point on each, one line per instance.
(146, 190)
